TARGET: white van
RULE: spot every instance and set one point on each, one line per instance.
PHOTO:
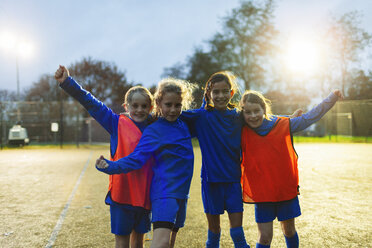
(18, 136)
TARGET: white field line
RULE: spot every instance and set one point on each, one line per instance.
(58, 226)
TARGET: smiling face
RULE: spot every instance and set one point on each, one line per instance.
(253, 114)
(139, 107)
(170, 106)
(220, 95)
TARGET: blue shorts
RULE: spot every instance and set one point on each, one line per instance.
(124, 219)
(285, 210)
(218, 197)
(169, 210)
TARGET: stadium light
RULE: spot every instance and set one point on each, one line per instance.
(13, 44)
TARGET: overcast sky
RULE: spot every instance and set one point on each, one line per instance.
(140, 37)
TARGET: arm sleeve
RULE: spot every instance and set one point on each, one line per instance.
(302, 122)
(97, 109)
(190, 117)
(146, 147)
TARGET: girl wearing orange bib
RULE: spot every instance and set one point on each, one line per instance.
(269, 164)
(128, 194)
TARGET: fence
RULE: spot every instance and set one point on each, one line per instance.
(346, 118)
(349, 118)
(74, 123)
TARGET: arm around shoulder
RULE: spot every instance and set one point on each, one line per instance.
(146, 147)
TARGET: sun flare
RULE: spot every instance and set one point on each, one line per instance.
(302, 55)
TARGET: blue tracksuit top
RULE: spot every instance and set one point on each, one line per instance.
(170, 145)
(99, 111)
(219, 135)
(302, 122)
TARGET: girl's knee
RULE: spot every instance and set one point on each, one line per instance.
(214, 223)
(160, 244)
(215, 229)
(136, 240)
(265, 238)
(122, 241)
(289, 230)
(136, 243)
(288, 227)
(236, 219)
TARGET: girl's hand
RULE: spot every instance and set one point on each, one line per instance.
(101, 163)
(61, 74)
(339, 94)
(297, 113)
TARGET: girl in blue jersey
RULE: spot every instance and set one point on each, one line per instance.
(130, 213)
(217, 126)
(168, 141)
(269, 164)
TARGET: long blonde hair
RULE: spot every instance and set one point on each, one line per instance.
(173, 85)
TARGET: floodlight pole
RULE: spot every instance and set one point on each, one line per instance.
(18, 95)
(17, 71)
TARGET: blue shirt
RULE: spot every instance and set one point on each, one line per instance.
(302, 122)
(219, 135)
(169, 143)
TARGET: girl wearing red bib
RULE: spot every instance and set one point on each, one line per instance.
(128, 194)
(269, 164)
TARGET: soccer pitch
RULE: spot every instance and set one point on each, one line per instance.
(56, 197)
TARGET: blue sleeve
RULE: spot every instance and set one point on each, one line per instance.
(190, 117)
(146, 147)
(302, 122)
(97, 109)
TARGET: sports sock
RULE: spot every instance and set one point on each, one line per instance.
(213, 240)
(292, 242)
(258, 245)
(237, 235)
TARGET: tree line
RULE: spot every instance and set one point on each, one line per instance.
(247, 44)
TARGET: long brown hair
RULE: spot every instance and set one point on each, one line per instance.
(220, 76)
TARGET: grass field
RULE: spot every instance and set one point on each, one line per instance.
(36, 185)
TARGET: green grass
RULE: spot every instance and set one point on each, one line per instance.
(195, 143)
(51, 145)
(333, 139)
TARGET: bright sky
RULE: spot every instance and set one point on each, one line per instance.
(140, 37)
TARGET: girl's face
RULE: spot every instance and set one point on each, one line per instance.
(139, 107)
(253, 114)
(220, 94)
(171, 106)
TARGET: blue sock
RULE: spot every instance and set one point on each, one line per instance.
(262, 246)
(237, 235)
(213, 240)
(292, 242)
